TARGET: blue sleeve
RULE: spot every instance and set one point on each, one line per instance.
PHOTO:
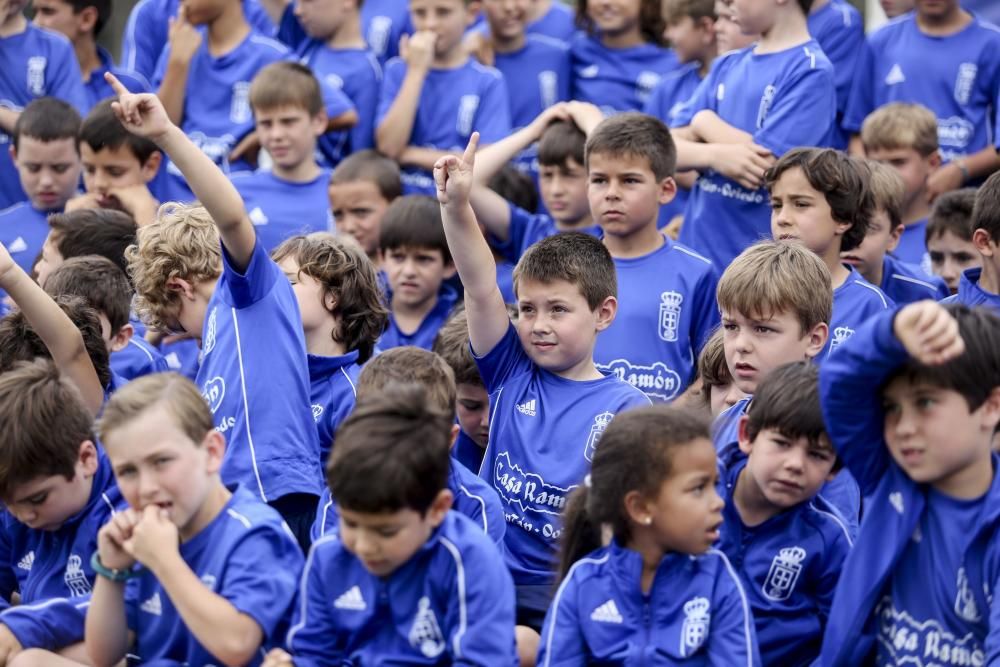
(335, 100)
(65, 82)
(703, 97)
(265, 593)
(507, 358)
(861, 99)
(834, 554)
(493, 114)
(249, 287)
(992, 643)
(732, 639)
(849, 382)
(392, 79)
(143, 40)
(365, 97)
(797, 115)
(480, 627)
(51, 625)
(313, 638)
(326, 516)
(562, 643)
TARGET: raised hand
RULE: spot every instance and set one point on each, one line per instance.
(453, 175)
(928, 332)
(140, 113)
(154, 538)
(111, 539)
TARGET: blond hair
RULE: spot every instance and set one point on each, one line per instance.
(771, 277)
(888, 190)
(901, 125)
(286, 84)
(183, 242)
(178, 396)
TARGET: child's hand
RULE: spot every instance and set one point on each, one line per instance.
(137, 200)
(88, 200)
(928, 332)
(111, 540)
(944, 179)
(277, 658)
(478, 46)
(744, 163)
(9, 646)
(585, 115)
(453, 175)
(184, 38)
(154, 538)
(418, 49)
(557, 111)
(140, 113)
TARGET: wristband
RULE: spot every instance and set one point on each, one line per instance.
(108, 573)
(962, 167)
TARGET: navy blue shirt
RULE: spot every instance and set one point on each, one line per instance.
(854, 302)
(906, 283)
(424, 335)
(972, 294)
(97, 89)
(840, 31)
(333, 391)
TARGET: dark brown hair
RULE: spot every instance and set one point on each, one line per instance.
(371, 166)
(101, 129)
(577, 258)
(94, 231)
(952, 212)
(48, 119)
(413, 221)
(452, 343)
(986, 212)
(561, 141)
(96, 280)
(411, 365)
(634, 134)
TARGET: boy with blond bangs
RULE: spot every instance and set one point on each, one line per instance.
(949, 236)
(905, 136)
(981, 286)
(873, 257)
(361, 189)
(666, 311)
(289, 197)
(202, 270)
(911, 404)
(549, 402)
(435, 95)
(821, 199)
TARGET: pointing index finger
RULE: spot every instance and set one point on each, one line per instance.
(469, 157)
(116, 85)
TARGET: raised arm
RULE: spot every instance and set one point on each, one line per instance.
(145, 116)
(488, 319)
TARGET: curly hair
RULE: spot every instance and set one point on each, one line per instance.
(349, 275)
(184, 243)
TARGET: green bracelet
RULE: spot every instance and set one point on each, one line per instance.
(108, 573)
(964, 168)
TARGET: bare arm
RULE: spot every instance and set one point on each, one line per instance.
(8, 118)
(710, 128)
(488, 319)
(491, 210)
(184, 42)
(418, 156)
(744, 163)
(950, 176)
(107, 636)
(392, 135)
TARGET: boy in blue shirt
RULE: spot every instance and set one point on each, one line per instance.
(949, 236)
(820, 198)
(201, 596)
(435, 96)
(404, 580)
(911, 404)
(873, 257)
(549, 402)
(787, 543)
(290, 197)
(981, 286)
(417, 263)
(905, 137)
(36, 63)
(46, 155)
(945, 58)
(840, 31)
(667, 309)
(202, 271)
(749, 110)
(81, 21)
(361, 189)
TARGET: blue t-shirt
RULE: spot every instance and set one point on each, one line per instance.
(905, 283)
(217, 111)
(136, 359)
(453, 104)
(358, 74)
(383, 23)
(36, 63)
(617, 79)
(424, 334)
(23, 229)
(183, 356)
(840, 31)
(526, 229)
(854, 302)
(467, 452)
(784, 99)
(666, 312)
(956, 76)
(254, 376)
(246, 555)
(98, 89)
(332, 393)
(558, 22)
(537, 77)
(280, 209)
(912, 247)
(146, 32)
(927, 606)
(544, 430)
(972, 294)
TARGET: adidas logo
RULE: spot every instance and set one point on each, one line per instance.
(351, 600)
(528, 408)
(17, 245)
(257, 216)
(895, 76)
(607, 613)
(896, 500)
(152, 605)
(26, 562)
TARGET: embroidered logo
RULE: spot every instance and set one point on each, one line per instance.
(896, 500)
(75, 578)
(317, 412)
(257, 216)
(213, 392)
(965, 601)
(645, 83)
(589, 72)
(601, 422)
(239, 105)
(840, 336)
(965, 81)
(425, 635)
(209, 343)
(18, 245)
(607, 613)
(467, 107)
(36, 75)
(670, 315)
(351, 600)
(784, 573)
(378, 34)
(766, 100)
(26, 562)
(529, 408)
(547, 83)
(895, 76)
(695, 628)
(152, 605)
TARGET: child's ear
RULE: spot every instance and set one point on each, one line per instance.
(743, 436)
(181, 286)
(449, 270)
(894, 236)
(934, 160)
(151, 167)
(331, 300)
(87, 18)
(984, 243)
(817, 339)
(606, 312)
(667, 190)
(439, 508)
(87, 458)
(472, 8)
(990, 410)
(637, 508)
(215, 448)
(455, 430)
(122, 337)
(319, 122)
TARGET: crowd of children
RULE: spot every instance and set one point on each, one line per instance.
(499, 332)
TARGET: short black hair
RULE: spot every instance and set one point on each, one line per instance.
(101, 129)
(986, 212)
(952, 212)
(48, 119)
(392, 453)
(94, 231)
(414, 221)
